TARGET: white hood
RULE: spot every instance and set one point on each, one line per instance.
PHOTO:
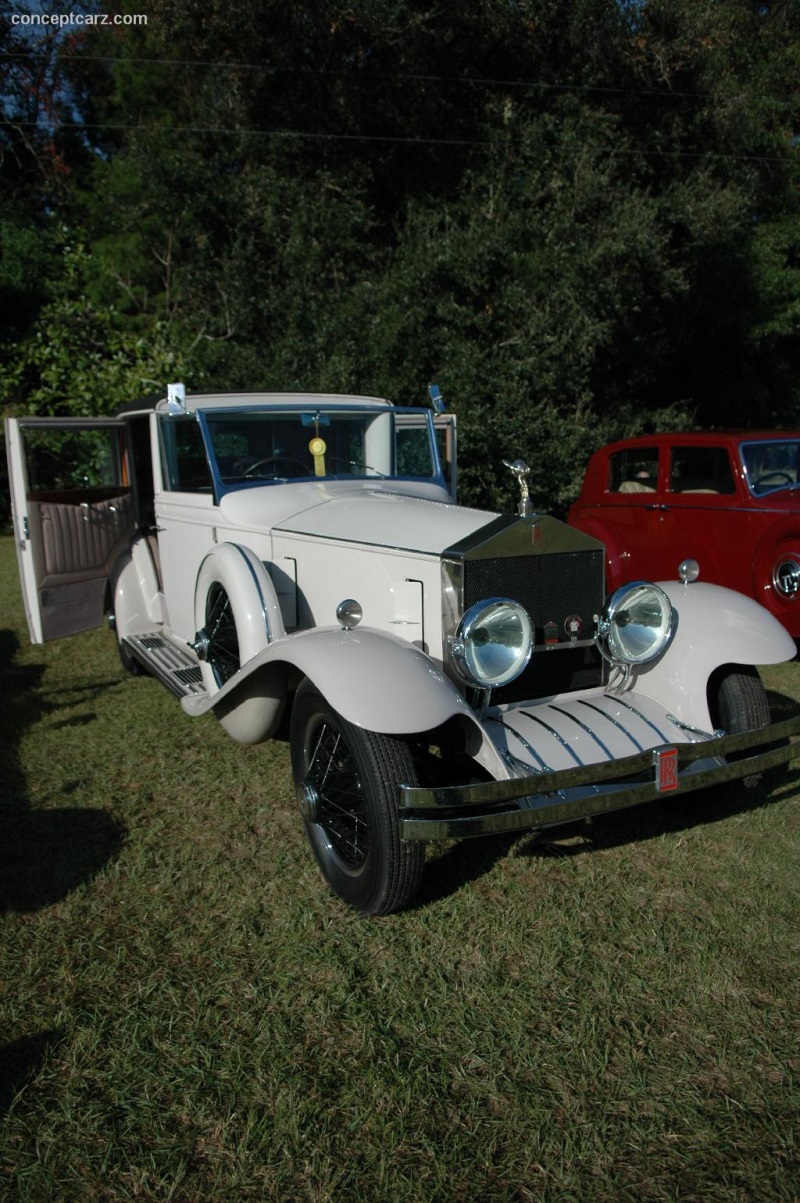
(376, 516)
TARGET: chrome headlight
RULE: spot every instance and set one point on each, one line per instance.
(635, 625)
(493, 642)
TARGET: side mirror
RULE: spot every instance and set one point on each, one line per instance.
(437, 400)
(176, 398)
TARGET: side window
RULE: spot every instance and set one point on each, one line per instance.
(700, 470)
(74, 460)
(634, 470)
(412, 451)
(184, 464)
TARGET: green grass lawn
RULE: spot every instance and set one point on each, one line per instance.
(186, 1014)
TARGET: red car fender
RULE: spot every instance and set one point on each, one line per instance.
(782, 541)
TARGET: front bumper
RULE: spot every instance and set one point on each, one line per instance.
(551, 798)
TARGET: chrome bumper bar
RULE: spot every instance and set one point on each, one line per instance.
(549, 799)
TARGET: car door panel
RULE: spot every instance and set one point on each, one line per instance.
(73, 514)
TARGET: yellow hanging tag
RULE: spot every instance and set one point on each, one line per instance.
(318, 447)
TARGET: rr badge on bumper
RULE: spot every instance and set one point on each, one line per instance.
(666, 764)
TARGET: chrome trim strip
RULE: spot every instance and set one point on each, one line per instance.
(545, 767)
(584, 727)
(556, 735)
(690, 730)
(633, 709)
(614, 720)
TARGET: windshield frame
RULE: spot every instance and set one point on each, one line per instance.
(746, 469)
(221, 486)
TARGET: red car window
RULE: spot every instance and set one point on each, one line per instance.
(700, 470)
(634, 470)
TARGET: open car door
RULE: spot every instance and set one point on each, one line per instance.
(73, 512)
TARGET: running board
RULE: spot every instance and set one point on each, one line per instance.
(168, 660)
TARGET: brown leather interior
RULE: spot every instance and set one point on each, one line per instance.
(74, 547)
(78, 540)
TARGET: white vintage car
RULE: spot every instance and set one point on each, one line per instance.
(447, 671)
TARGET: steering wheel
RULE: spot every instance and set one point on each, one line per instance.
(253, 470)
(777, 477)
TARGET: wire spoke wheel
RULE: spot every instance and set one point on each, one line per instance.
(348, 784)
(341, 806)
(223, 642)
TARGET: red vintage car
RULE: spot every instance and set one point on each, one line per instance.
(728, 499)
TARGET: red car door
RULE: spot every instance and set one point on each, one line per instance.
(702, 516)
(622, 505)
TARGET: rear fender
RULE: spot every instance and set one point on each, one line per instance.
(781, 542)
(713, 626)
(135, 591)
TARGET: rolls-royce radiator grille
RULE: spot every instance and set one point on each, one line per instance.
(562, 592)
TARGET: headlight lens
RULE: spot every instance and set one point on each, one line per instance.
(636, 624)
(493, 642)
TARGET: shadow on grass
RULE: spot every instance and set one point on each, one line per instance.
(469, 860)
(21, 1060)
(44, 854)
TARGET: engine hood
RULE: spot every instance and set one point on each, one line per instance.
(381, 518)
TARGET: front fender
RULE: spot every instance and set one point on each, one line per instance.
(714, 626)
(373, 679)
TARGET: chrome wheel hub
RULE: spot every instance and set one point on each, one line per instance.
(308, 801)
(200, 645)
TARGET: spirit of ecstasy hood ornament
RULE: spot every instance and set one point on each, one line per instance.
(522, 472)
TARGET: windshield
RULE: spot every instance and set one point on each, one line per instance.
(257, 447)
(771, 465)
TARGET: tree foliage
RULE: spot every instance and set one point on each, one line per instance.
(579, 218)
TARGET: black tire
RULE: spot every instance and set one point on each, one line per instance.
(347, 782)
(738, 702)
